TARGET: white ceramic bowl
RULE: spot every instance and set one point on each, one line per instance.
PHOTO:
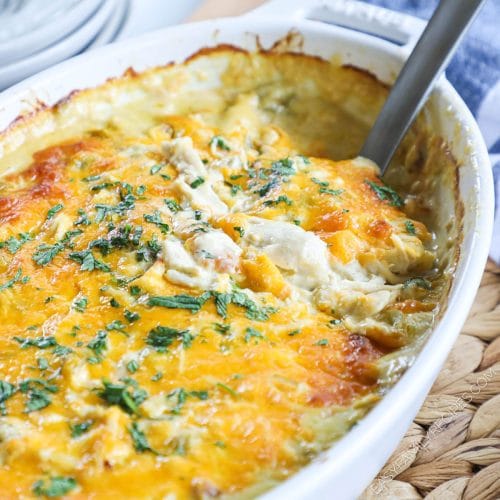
(343, 471)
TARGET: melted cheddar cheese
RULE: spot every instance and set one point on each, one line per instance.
(196, 304)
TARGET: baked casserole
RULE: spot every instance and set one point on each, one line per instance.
(198, 291)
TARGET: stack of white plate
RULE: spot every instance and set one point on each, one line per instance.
(36, 34)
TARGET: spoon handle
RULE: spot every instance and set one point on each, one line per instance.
(429, 57)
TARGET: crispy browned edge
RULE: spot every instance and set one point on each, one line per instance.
(280, 47)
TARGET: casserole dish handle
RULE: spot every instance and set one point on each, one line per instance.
(396, 27)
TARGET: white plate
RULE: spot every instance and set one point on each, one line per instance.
(67, 47)
(38, 24)
(114, 25)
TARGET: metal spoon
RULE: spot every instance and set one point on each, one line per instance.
(430, 56)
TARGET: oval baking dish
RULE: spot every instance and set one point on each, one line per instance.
(459, 211)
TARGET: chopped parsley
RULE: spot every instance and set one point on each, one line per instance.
(281, 199)
(7, 390)
(139, 439)
(419, 282)
(221, 328)
(122, 395)
(131, 316)
(88, 262)
(99, 344)
(46, 253)
(54, 210)
(294, 332)
(40, 342)
(197, 182)
(283, 167)
(156, 168)
(219, 142)
(38, 392)
(13, 244)
(172, 205)
(155, 219)
(102, 210)
(386, 193)
(227, 389)
(80, 304)
(163, 337)
(54, 486)
(410, 227)
(239, 230)
(252, 333)
(16, 279)
(266, 188)
(81, 428)
(324, 189)
(132, 366)
(322, 342)
(188, 302)
(117, 325)
(253, 311)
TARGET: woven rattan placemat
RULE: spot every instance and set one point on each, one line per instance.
(452, 449)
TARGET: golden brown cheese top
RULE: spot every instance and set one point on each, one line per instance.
(194, 311)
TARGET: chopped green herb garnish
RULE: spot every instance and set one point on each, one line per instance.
(80, 304)
(156, 168)
(280, 199)
(42, 363)
(38, 391)
(16, 279)
(132, 366)
(319, 182)
(219, 142)
(189, 302)
(419, 282)
(88, 261)
(156, 220)
(122, 396)
(40, 342)
(46, 253)
(162, 337)
(322, 342)
(139, 439)
(54, 486)
(99, 343)
(7, 390)
(81, 428)
(83, 218)
(197, 182)
(252, 333)
(410, 227)
(228, 389)
(386, 193)
(294, 332)
(53, 211)
(222, 329)
(333, 192)
(13, 244)
(131, 316)
(114, 303)
(172, 205)
(157, 376)
(117, 325)
(283, 167)
(239, 230)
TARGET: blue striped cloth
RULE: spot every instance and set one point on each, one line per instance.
(475, 73)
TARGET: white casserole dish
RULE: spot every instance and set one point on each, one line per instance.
(346, 468)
